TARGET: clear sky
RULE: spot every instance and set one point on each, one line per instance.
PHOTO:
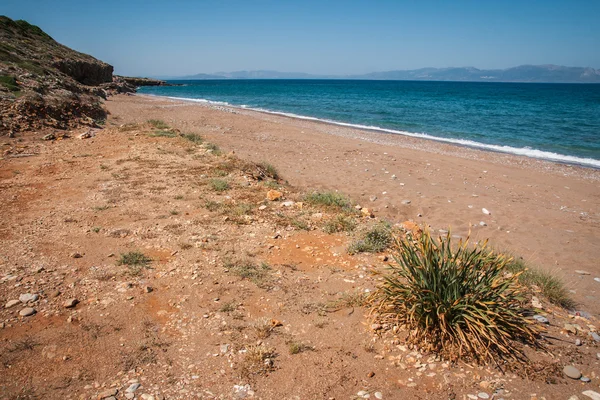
(177, 37)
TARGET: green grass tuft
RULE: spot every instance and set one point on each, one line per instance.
(375, 240)
(456, 301)
(158, 124)
(328, 199)
(269, 170)
(219, 185)
(194, 138)
(134, 258)
(9, 82)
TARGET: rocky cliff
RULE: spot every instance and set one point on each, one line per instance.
(45, 84)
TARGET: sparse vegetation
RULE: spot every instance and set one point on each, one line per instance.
(229, 307)
(9, 82)
(263, 328)
(101, 208)
(213, 205)
(258, 360)
(213, 148)
(458, 302)
(174, 212)
(375, 240)
(158, 124)
(162, 133)
(246, 269)
(328, 199)
(219, 185)
(339, 223)
(269, 170)
(298, 347)
(351, 299)
(134, 258)
(549, 285)
(96, 229)
(194, 138)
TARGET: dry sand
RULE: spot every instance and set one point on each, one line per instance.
(545, 212)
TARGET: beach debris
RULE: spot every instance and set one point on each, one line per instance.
(273, 195)
(485, 211)
(572, 372)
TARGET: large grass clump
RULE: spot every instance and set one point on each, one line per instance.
(459, 302)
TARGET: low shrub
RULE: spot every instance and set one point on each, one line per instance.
(328, 199)
(375, 240)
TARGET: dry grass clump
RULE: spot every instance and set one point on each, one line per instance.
(219, 185)
(158, 124)
(258, 360)
(339, 223)
(194, 138)
(134, 258)
(268, 170)
(246, 269)
(549, 285)
(459, 302)
(298, 347)
(375, 240)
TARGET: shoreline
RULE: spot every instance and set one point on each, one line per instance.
(529, 153)
(542, 211)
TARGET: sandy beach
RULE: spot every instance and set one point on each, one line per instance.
(544, 212)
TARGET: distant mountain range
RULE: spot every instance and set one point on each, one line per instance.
(523, 73)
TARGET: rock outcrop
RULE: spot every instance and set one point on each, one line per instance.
(44, 84)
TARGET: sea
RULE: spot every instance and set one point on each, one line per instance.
(556, 122)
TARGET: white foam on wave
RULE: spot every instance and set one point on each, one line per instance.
(520, 151)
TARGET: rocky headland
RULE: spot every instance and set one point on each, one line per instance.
(44, 84)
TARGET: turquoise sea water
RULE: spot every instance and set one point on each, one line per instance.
(559, 122)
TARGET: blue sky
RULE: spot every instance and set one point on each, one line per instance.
(150, 38)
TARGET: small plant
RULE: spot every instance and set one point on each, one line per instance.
(339, 223)
(246, 269)
(162, 133)
(178, 197)
(134, 258)
(297, 347)
(96, 229)
(174, 212)
(229, 307)
(9, 82)
(351, 299)
(158, 124)
(103, 167)
(269, 170)
(549, 285)
(213, 205)
(194, 138)
(375, 240)
(300, 224)
(219, 185)
(213, 148)
(185, 246)
(102, 208)
(263, 328)
(258, 360)
(328, 199)
(458, 302)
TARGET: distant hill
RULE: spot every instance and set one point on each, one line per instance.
(523, 73)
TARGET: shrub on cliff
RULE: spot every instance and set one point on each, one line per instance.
(459, 302)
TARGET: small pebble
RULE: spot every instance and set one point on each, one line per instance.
(578, 342)
(585, 379)
(541, 319)
(378, 395)
(70, 303)
(133, 387)
(483, 395)
(572, 372)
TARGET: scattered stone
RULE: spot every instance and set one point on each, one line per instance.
(242, 391)
(483, 395)
(372, 198)
(376, 327)
(572, 372)
(70, 303)
(108, 393)
(595, 336)
(578, 342)
(485, 211)
(536, 303)
(406, 202)
(378, 395)
(26, 312)
(28, 298)
(146, 396)
(130, 396)
(541, 319)
(591, 394)
(148, 289)
(50, 136)
(482, 223)
(580, 272)
(287, 204)
(597, 279)
(273, 195)
(585, 379)
(12, 303)
(133, 387)
(570, 328)
(76, 255)
(87, 135)
(371, 374)
(263, 207)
